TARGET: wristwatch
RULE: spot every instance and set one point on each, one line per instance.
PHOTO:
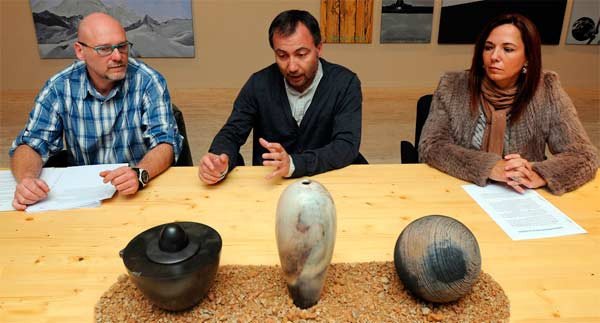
(142, 176)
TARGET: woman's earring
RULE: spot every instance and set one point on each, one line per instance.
(524, 69)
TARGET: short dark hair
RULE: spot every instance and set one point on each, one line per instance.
(527, 83)
(286, 22)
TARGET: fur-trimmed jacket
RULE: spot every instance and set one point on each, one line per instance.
(550, 118)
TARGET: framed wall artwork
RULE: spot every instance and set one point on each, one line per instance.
(462, 20)
(156, 28)
(406, 21)
(585, 21)
(346, 21)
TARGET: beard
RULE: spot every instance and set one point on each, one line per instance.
(116, 72)
(115, 76)
(300, 82)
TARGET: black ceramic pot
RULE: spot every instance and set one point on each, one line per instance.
(174, 264)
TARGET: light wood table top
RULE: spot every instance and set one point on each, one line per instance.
(54, 266)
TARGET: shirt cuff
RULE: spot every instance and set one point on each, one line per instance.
(292, 168)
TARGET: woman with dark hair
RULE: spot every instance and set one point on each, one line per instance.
(493, 122)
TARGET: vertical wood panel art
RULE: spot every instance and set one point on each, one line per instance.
(346, 21)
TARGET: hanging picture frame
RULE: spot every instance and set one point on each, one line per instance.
(346, 21)
(462, 20)
(406, 21)
(584, 24)
(156, 28)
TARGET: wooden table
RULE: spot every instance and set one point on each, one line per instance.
(54, 266)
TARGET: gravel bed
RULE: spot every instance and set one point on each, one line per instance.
(353, 292)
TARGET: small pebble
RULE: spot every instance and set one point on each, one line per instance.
(435, 317)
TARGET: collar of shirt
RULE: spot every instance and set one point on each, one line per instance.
(91, 90)
(299, 102)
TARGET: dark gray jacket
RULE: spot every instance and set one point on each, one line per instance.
(328, 136)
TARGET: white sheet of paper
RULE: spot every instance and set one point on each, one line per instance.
(83, 176)
(83, 183)
(51, 175)
(522, 216)
(71, 187)
(78, 187)
(7, 190)
(8, 185)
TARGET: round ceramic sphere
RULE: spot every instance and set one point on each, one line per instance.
(437, 258)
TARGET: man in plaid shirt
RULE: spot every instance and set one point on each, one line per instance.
(107, 107)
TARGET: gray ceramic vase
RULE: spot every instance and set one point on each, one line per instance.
(437, 258)
(305, 230)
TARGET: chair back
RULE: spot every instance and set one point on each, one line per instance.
(409, 153)
(423, 106)
(185, 157)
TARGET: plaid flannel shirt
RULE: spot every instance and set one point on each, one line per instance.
(120, 127)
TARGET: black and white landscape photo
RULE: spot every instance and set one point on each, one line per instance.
(461, 21)
(155, 28)
(406, 21)
(585, 22)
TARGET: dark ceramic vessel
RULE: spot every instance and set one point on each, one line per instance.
(174, 264)
(437, 258)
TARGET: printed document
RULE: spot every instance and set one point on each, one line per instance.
(522, 216)
(70, 187)
(8, 184)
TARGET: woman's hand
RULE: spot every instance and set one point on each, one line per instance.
(517, 172)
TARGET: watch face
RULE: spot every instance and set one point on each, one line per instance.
(144, 176)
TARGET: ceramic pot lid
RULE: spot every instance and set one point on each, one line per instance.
(171, 250)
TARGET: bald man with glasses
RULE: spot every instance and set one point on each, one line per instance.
(105, 108)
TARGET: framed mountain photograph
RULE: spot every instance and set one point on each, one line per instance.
(155, 28)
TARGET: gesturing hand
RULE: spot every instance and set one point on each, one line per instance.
(276, 157)
(213, 168)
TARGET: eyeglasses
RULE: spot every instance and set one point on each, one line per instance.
(106, 50)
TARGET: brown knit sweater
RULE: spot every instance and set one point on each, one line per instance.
(550, 118)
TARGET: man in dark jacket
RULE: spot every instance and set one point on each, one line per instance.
(305, 111)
